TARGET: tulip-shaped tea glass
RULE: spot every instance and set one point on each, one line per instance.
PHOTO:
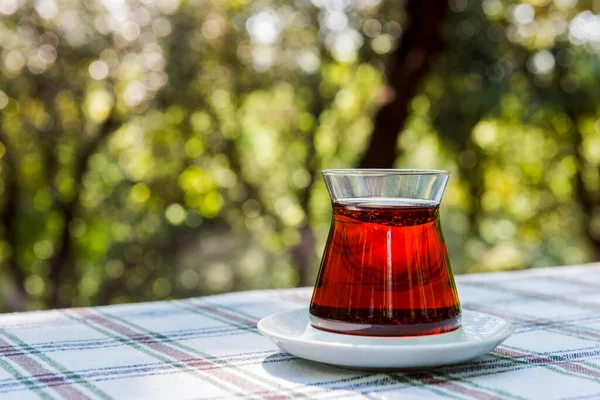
(385, 270)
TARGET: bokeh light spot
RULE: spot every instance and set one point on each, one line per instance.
(218, 277)
(130, 31)
(43, 249)
(211, 29)
(220, 98)
(308, 61)
(372, 28)
(134, 93)
(264, 27)
(344, 99)
(542, 62)
(34, 285)
(114, 269)
(46, 9)
(88, 286)
(346, 45)
(175, 214)
(382, 44)
(492, 7)
(161, 287)
(14, 61)
(98, 70)
(523, 13)
(140, 193)
(212, 204)
(189, 279)
(161, 27)
(301, 178)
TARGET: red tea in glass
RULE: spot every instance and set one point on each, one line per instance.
(385, 270)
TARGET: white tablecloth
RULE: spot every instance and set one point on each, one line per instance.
(209, 348)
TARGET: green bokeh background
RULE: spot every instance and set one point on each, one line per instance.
(172, 148)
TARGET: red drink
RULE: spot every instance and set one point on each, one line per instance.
(385, 271)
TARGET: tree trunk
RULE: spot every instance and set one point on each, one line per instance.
(16, 299)
(64, 257)
(420, 43)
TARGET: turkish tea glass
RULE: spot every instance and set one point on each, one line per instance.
(385, 269)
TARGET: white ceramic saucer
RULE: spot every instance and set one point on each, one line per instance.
(292, 332)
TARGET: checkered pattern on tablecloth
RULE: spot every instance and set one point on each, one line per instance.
(209, 348)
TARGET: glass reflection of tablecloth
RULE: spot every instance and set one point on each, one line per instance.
(209, 348)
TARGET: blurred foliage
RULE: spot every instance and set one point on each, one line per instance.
(166, 148)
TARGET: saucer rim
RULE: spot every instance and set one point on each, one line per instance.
(508, 330)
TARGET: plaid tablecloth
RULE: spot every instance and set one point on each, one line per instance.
(209, 348)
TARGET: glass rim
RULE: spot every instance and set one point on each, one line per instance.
(382, 171)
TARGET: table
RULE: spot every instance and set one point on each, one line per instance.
(209, 348)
